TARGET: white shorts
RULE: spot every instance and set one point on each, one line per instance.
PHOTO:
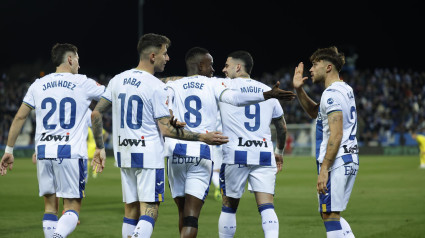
(63, 177)
(340, 185)
(217, 156)
(233, 178)
(142, 185)
(189, 175)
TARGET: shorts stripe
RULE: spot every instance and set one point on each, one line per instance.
(159, 185)
(82, 177)
(222, 179)
(325, 199)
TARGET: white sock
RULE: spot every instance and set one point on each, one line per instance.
(128, 226)
(66, 224)
(270, 223)
(215, 179)
(333, 228)
(346, 228)
(144, 227)
(227, 222)
(50, 222)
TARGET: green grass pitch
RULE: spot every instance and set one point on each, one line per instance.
(388, 200)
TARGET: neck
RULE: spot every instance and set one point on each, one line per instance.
(63, 69)
(146, 66)
(243, 75)
(332, 79)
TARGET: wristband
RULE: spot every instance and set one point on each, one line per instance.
(8, 150)
(279, 152)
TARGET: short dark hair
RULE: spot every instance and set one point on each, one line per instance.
(330, 54)
(152, 40)
(195, 51)
(245, 57)
(59, 51)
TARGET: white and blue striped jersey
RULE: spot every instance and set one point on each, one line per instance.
(61, 101)
(248, 127)
(338, 96)
(138, 99)
(194, 100)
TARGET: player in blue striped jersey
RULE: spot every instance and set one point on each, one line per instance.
(60, 101)
(249, 155)
(336, 143)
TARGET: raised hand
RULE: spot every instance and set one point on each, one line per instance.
(298, 79)
(6, 162)
(214, 138)
(278, 93)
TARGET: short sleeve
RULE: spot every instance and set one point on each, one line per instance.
(277, 109)
(331, 101)
(29, 97)
(94, 89)
(160, 101)
(108, 93)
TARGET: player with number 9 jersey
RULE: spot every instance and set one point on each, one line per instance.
(248, 128)
(133, 105)
(61, 101)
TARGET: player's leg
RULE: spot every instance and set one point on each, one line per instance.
(348, 233)
(422, 157)
(192, 210)
(131, 218)
(217, 156)
(340, 184)
(47, 189)
(233, 179)
(148, 216)
(70, 177)
(197, 184)
(262, 181)
(50, 218)
(180, 206)
(150, 192)
(68, 221)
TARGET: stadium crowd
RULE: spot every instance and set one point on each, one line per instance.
(389, 103)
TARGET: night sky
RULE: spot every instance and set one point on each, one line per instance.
(277, 33)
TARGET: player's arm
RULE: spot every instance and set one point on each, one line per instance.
(15, 129)
(239, 99)
(335, 120)
(168, 130)
(280, 125)
(309, 106)
(99, 156)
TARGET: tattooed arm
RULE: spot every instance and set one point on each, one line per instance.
(280, 125)
(99, 156)
(335, 137)
(168, 130)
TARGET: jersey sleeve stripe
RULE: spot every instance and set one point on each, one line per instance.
(106, 99)
(29, 105)
(334, 111)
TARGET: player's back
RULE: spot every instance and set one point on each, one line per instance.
(195, 101)
(61, 101)
(138, 99)
(338, 96)
(248, 127)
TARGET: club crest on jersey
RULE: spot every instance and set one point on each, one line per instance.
(249, 143)
(45, 137)
(330, 101)
(131, 142)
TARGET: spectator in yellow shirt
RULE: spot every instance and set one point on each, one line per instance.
(421, 143)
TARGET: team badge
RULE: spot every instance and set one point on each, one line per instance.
(330, 101)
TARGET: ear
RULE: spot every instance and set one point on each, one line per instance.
(200, 66)
(329, 68)
(152, 57)
(238, 67)
(69, 59)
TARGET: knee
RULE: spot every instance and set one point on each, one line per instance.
(190, 221)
